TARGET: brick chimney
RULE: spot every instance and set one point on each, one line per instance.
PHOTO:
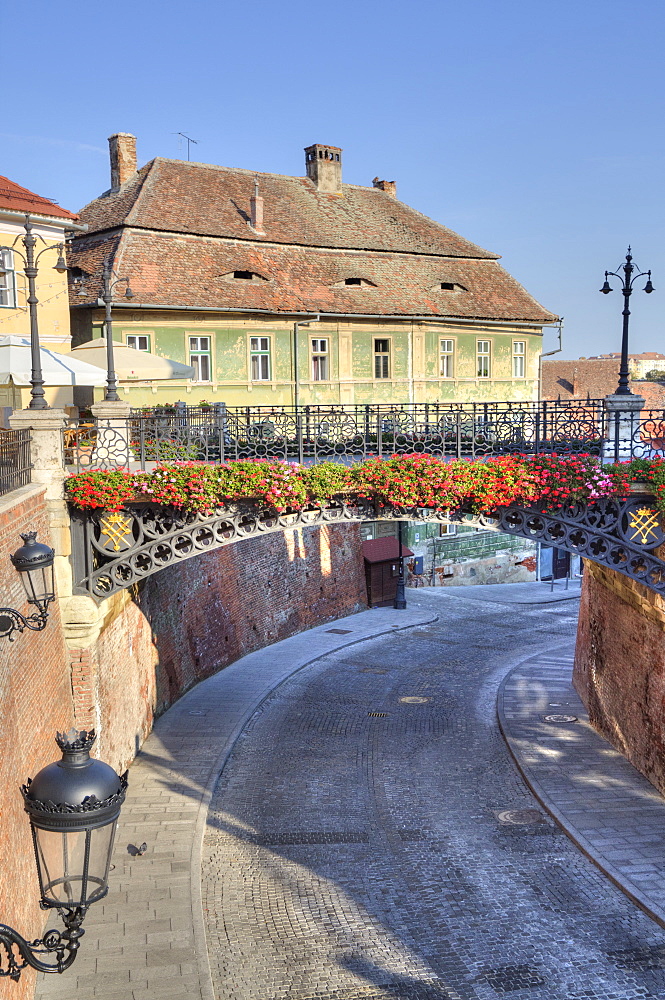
(256, 210)
(324, 167)
(390, 187)
(122, 147)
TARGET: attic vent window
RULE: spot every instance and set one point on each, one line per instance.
(451, 286)
(244, 275)
(353, 281)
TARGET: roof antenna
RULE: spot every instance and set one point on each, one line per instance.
(189, 141)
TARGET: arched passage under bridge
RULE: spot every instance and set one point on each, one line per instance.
(114, 550)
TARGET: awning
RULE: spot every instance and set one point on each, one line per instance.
(132, 365)
(57, 369)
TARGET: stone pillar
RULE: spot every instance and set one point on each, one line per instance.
(623, 418)
(112, 443)
(48, 469)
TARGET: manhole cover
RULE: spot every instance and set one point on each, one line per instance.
(339, 631)
(414, 699)
(559, 718)
(196, 713)
(521, 817)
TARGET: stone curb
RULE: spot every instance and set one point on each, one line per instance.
(537, 783)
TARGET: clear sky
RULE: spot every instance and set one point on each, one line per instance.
(532, 128)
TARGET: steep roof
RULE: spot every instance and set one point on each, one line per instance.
(197, 271)
(20, 199)
(179, 230)
(179, 197)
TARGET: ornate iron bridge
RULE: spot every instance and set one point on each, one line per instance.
(112, 551)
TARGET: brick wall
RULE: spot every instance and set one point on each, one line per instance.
(190, 620)
(35, 701)
(620, 666)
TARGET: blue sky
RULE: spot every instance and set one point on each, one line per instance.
(532, 128)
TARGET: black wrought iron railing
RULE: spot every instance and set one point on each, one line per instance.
(15, 462)
(346, 434)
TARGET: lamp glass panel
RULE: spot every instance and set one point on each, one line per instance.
(39, 584)
(99, 860)
(61, 863)
(74, 866)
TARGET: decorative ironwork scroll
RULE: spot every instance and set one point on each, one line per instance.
(114, 551)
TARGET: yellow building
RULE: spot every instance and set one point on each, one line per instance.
(50, 222)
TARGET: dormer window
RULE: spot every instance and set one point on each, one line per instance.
(449, 286)
(354, 282)
(243, 276)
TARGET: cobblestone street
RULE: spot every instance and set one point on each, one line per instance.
(371, 837)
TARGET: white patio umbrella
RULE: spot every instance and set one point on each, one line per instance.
(57, 369)
(130, 363)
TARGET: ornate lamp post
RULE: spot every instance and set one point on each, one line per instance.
(31, 270)
(34, 562)
(627, 282)
(73, 805)
(111, 280)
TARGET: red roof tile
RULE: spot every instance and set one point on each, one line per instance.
(193, 271)
(595, 378)
(19, 199)
(179, 197)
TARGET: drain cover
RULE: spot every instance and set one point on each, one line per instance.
(414, 699)
(378, 715)
(521, 817)
(339, 631)
(559, 718)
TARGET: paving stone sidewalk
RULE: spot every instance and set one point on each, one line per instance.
(606, 806)
(147, 939)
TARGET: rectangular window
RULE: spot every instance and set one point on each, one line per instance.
(483, 358)
(447, 529)
(200, 358)
(7, 279)
(446, 358)
(320, 360)
(259, 351)
(139, 341)
(381, 358)
(519, 356)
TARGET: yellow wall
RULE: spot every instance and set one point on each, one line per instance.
(53, 307)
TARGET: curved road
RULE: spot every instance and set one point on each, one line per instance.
(362, 841)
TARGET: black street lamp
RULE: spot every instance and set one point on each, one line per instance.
(400, 594)
(110, 281)
(34, 561)
(627, 282)
(73, 805)
(31, 271)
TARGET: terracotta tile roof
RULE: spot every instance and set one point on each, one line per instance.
(166, 269)
(595, 378)
(377, 550)
(19, 199)
(175, 196)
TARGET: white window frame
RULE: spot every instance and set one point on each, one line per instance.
(197, 353)
(8, 280)
(446, 530)
(138, 336)
(386, 356)
(483, 351)
(320, 359)
(519, 358)
(263, 356)
(446, 358)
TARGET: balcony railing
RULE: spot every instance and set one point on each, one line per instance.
(15, 462)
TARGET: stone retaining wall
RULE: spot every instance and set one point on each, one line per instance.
(620, 666)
